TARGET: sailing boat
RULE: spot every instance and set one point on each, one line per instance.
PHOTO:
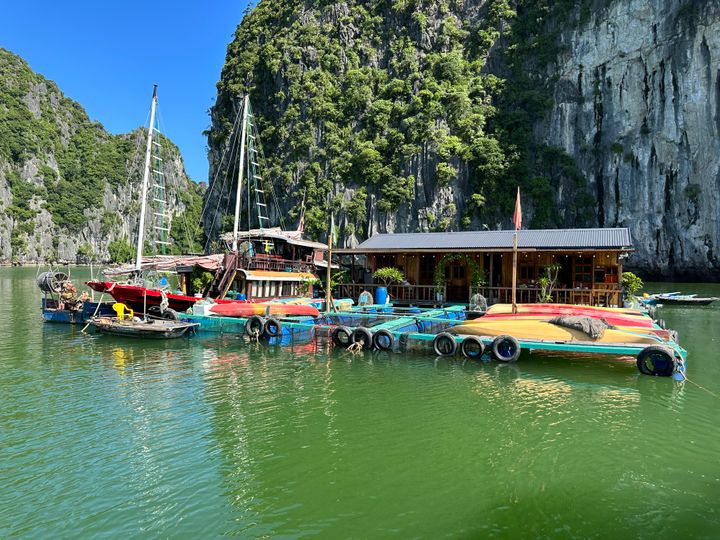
(134, 293)
(263, 263)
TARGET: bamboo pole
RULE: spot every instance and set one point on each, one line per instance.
(328, 293)
(514, 273)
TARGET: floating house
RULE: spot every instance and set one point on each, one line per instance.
(452, 266)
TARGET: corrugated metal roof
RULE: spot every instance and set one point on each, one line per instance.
(617, 238)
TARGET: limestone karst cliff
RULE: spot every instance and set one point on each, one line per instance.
(68, 188)
(637, 105)
(415, 115)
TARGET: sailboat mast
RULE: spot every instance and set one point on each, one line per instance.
(146, 177)
(246, 105)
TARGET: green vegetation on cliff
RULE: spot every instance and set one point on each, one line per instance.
(387, 98)
(55, 159)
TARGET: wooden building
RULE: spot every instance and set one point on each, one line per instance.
(448, 266)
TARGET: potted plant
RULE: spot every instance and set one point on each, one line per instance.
(547, 282)
(631, 285)
(386, 276)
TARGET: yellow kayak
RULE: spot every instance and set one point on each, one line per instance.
(539, 330)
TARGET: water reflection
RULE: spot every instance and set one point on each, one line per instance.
(211, 436)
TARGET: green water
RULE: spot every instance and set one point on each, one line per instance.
(208, 436)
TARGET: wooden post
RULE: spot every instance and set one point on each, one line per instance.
(328, 294)
(514, 274)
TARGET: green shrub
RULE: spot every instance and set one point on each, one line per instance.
(121, 251)
(389, 275)
(631, 284)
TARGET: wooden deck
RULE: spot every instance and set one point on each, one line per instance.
(416, 295)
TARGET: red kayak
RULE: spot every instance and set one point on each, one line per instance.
(264, 308)
(614, 320)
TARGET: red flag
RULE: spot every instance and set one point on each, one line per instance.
(517, 216)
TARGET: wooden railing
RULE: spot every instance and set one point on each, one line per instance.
(527, 295)
(275, 263)
(417, 295)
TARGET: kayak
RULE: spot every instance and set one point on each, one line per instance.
(610, 318)
(563, 309)
(264, 308)
(536, 330)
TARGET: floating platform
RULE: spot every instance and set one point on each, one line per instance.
(441, 331)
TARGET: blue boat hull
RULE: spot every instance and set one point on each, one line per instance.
(81, 316)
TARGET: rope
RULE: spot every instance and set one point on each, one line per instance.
(703, 388)
(256, 336)
(355, 347)
(97, 308)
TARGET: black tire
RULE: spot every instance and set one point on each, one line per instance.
(444, 344)
(272, 327)
(505, 349)
(154, 311)
(341, 336)
(656, 361)
(170, 314)
(472, 347)
(364, 336)
(254, 325)
(383, 340)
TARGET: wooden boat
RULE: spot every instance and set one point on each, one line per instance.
(544, 330)
(263, 263)
(151, 328)
(685, 300)
(264, 308)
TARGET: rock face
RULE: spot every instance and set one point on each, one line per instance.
(638, 107)
(68, 188)
(419, 116)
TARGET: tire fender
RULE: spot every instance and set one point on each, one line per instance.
(472, 347)
(272, 327)
(444, 344)
(341, 336)
(656, 361)
(254, 325)
(383, 340)
(505, 349)
(364, 336)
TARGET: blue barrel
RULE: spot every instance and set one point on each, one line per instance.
(381, 295)
(241, 296)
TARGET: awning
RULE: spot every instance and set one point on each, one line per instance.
(291, 237)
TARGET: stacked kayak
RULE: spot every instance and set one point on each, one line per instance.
(542, 329)
(264, 308)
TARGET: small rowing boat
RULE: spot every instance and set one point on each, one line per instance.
(151, 328)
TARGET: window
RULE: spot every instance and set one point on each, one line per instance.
(427, 269)
(528, 272)
(583, 272)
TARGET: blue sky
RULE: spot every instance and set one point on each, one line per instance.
(107, 55)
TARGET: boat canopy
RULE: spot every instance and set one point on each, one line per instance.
(291, 237)
(169, 263)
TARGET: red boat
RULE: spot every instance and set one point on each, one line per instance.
(137, 297)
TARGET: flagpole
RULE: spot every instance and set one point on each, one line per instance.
(517, 221)
(514, 273)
